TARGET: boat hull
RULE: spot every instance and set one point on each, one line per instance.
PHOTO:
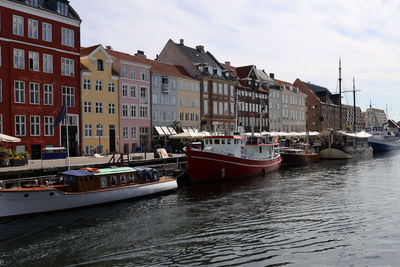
(298, 158)
(379, 146)
(333, 153)
(14, 203)
(208, 166)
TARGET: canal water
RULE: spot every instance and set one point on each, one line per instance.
(330, 213)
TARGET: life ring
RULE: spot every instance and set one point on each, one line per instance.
(69, 189)
(90, 169)
(263, 172)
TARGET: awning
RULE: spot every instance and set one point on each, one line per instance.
(159, 131)
(165, 129)
(7, 138)
(184, 129)
(172, 130)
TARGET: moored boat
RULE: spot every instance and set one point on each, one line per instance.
(79, 188)
(298, 153)
(226, 157)
(383, 139)
(342, 145)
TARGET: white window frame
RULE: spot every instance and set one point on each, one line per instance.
(19, 92)
(99, 108)
(47, 63)
(87, 84)
(125, 90)
(33, 60)
(134, 133)
(111, 108)
(88, 130)
(18, 25)
(134, 111)
(125, 133)
(48, 94)
(125, 110)
(132, 91)
(33, 29)
(87, 107)
(48, 126)
(20, 125)
(34, 93)
(19, 58)
(67, 67)
(144, 112)
(99, 85)
(68, 95)
(67, 37)
(111, 87)
(47, 32)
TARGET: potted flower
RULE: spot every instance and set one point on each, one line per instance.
(18, 159)
(3, 156)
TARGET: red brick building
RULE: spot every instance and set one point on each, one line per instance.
(39, 68)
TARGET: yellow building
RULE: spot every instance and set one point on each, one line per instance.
(99, 102)
(189, 103)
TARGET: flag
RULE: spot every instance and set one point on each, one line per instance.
(61, 115)
(263, 107)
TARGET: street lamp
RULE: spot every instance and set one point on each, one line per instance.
(99, 131)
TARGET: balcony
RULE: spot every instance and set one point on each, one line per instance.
(165, 89)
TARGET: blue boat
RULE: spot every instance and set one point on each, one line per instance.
(383, 139)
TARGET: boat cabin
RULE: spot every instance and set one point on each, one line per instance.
(260, 148)
(226, 145)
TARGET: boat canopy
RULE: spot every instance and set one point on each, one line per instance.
(116, 170)
(78, 173)
(361, 134)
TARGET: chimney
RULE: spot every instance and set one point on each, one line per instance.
(200, 48)
(140, 53)
(228, 63)
(181, 42)
(109, 47)
(272, 75)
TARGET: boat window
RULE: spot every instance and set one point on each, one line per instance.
(103, 181)
(260, 149)
(236, 142)
(113, 180)
(131, 178)
(206, 141)
(216, 141)
(228, 141)
(223, 141)
(122, 179)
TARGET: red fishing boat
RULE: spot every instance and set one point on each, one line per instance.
(226, 157)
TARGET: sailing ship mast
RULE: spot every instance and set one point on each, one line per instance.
(354, 105)
(340, 94)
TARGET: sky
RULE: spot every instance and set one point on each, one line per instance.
(293, 39)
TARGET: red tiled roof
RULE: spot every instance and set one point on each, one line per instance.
(87, 50)
(83, 67)
(157, 66)
(279, 82)
(231, 68)
(243, 71)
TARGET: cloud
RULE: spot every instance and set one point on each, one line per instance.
(293, 39)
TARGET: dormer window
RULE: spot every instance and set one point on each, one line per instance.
(165, 80)
(34, 3)
(100, 65)
(215, 71)
(62, 8)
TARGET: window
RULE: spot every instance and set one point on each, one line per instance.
(197, 103)
(215, 107)
(88, 130)
(87, 84)
(34, 3)
(62, 8)
(226, 111)
(124, 110)
(46, 32)
(124, 90)
(220, 91)
(68, 96)
(35, 125)
(143, 112)
(122, 179)
(133, 91)
(111, 87)
(133, 111)
(144, 75)
(19, 92)
(34, 93)
(225, 89)
(133, 133)
(99, 107)
(215, 89)
(143, 93)
(87, 107)
(111, 108)
(220, 108)
(133, 73)
(19, 58)
(32, 28)
(125, 71)
(103, 181)
(125, 133)
(187, 116)
(205, 86)
(34, 61)
(100, 65)
(205, 106)
(67, 37)
(67, 67)
(20, 125)
(99, 85)
(18, 25)
(47, 63)
(232, 108)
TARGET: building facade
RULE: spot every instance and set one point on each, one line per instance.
(100, 107)
(360, 122)
(134, 101)
(293, 107)
(39, 70)
(217, 85)
(375, 117)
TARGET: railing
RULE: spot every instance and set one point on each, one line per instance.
(165, 88)
(31, 181)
